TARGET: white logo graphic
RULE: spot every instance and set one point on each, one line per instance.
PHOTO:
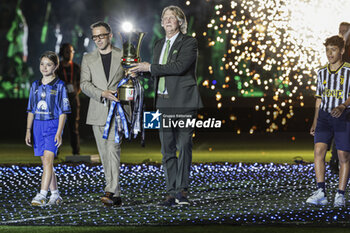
(65, 102)
(42, 105)
(156, 115)
(43, 94)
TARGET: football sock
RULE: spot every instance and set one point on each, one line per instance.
(341, 192)
(55, 193)
(322, 185)
(43, 192)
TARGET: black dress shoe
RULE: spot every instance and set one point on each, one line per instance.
(117, 201)
(181, 198)
(169, 201)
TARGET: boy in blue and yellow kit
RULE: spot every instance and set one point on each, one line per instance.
(47, 108)
(332, 120)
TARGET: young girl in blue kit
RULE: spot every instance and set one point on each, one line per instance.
(47, 108)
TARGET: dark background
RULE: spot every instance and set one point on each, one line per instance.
(73, 19)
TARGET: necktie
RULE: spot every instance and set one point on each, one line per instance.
(161, 83)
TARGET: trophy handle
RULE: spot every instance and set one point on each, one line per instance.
(141, 35)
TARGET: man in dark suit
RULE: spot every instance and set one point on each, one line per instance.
(177, 97)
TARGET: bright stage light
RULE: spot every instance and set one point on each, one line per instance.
(127, 27)
(314, 22)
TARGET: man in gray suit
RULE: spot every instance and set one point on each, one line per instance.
(100, 73)
(174, 72)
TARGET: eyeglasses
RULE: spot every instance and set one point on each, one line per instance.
(100, 36)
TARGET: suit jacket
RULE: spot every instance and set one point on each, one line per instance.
(179, 73)
(93, 82)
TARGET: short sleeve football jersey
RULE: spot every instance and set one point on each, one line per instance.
(48, 101)
(333, 87)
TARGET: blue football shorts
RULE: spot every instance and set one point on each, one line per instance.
(328, 127)
(44, 136)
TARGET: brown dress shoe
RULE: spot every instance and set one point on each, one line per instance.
(107, 199)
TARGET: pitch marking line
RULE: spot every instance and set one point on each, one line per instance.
(45, 217)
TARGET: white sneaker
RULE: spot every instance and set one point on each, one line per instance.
(318, 198)
(55, 200)
(339, 200)
(39, 200)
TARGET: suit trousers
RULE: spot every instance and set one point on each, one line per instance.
(176, 169)
(110, 157)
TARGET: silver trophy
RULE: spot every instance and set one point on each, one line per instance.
(131, 54)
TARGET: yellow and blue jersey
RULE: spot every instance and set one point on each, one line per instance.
(48, 101)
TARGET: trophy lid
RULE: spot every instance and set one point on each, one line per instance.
(131, 47)
(132, 43)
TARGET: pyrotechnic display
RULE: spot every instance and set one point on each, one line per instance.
(194, 115)
(270, 50)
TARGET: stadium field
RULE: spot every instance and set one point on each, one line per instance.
(246, 183)
(182, 229)
(207, 148)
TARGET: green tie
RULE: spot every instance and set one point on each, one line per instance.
(161, 83)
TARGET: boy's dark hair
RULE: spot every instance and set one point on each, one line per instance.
(344, 24)
(101, 24)
(51, 56)
(336, 41)
(63, 47)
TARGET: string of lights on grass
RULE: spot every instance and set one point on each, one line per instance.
(220, 193)
(270, 50)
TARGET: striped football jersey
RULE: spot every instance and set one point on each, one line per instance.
(333, 87)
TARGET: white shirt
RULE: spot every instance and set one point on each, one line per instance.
(172, 40)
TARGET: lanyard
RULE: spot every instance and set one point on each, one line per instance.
(71, 73)
(123, 122)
